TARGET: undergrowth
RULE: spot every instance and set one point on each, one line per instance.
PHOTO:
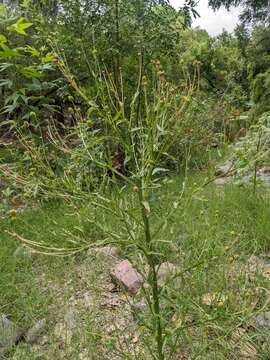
(210, 238)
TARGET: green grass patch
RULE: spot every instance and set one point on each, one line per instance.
(211, 235)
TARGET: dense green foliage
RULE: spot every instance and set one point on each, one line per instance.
(129, 42)
(102, 103)
(253, 10)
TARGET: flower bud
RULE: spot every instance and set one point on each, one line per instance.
(32, 115)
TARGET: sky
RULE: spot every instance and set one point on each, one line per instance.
(213, 22)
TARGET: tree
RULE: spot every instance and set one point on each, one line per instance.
(258, 53)
(253, 10)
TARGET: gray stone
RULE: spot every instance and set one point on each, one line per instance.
(140, 306)
(257, 263)
(72, 319)
(110, 251)
(263, 320)
(84, 355)
(23, 252)
(164, 271)
(35, 332)
(87, 300)
(112, 301)
(65, 330)
(9, 334)
(61, 332)
(226, 169)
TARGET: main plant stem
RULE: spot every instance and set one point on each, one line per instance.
(153, 278)
(117, 45)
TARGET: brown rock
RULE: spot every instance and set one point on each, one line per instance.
(124, 275)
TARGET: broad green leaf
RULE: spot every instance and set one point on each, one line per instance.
(3, 39)
(34, 86)
(25, 3)
(116, 117)
(22, 91)
(20, 26)
(31, 72)
(32, 51)
(2, 9)
(47, 58)
(8, 53)
(46, 66)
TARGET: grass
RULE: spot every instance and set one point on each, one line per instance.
(20, 294)
(212, 236)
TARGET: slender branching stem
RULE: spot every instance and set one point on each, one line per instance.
(153, 279)
(256, 162)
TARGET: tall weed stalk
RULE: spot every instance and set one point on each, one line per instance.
(143, 140)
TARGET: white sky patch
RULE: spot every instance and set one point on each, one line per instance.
(213, 22)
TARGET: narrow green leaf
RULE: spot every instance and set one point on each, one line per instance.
(47, 58)
(158, 170)
(6, 82)
(5, 66)
(20, 26)
(32, 51)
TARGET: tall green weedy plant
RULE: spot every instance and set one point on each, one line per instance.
(132, 155)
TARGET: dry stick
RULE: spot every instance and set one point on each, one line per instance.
(64, 251)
